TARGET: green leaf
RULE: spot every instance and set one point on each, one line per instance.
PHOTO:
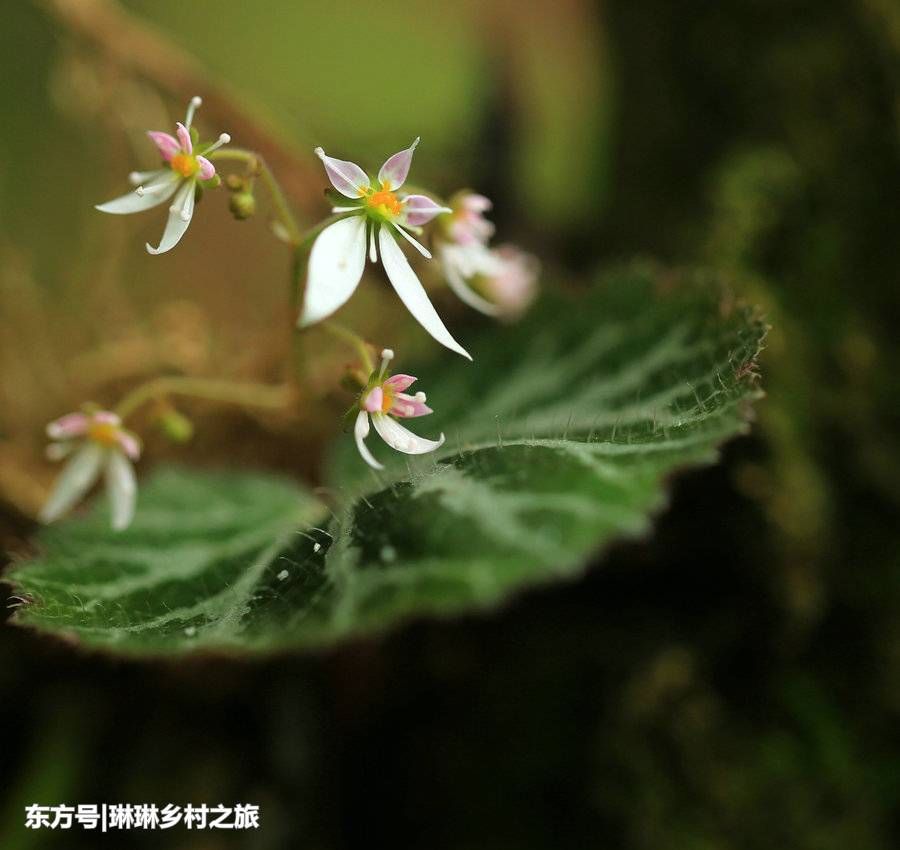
(560, 439)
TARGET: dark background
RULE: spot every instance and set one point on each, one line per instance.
(733, 682)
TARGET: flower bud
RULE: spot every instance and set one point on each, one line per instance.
(242, 205)
(176, 426)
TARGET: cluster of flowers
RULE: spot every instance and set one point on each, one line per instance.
(368, 216)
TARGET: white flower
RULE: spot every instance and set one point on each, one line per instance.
(184, 169)
(385, 401)
(499, 282)
(376, 216)
(96, 444)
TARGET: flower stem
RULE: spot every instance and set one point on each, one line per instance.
(229, 392)
(354, 340)
(258, 165)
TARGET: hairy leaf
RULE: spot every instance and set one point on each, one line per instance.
(560, 439)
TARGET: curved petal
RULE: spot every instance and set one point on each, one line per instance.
(130, 443)
(121, 487)
(57, 451)
(336, 265)
(374, 399)
(77, 477)
(402, 439)
(184, 137)
(180, 214)
(155, 192)
(465, 292)
(408, 407)
(412, 293)
(395, 169)
(360, 432)
(347, 177)
(68, 426)
(420, 209)
(167, 144)
(207, 169)
(399, 383)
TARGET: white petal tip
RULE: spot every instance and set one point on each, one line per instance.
(416, 141)
(319, 152)
(152, 250)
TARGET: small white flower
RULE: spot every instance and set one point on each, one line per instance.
(500, 282)
(184, 169)
(385, 401)
(376, 214)
(96, 444)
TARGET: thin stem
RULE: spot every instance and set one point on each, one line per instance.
(354, 340)
(229, 392)
(257, 164)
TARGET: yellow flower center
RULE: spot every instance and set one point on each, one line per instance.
(387, 401)
(185, 164)
(104, 433)
(383, 202)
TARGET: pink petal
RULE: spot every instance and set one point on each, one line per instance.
(393, 172)
(476, 203)
(107, 417)
(407, 407)
(347, 177)
(71, 425)
(207, 169)
(420, 209)
(130, 444)
(398, 383)
(373, 401)
(168, 145)
(184, 137)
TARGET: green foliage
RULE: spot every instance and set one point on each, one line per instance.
(560, 439)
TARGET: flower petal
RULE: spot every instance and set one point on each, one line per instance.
(459, 285)
(167, 144)
(207, 169)
(180, 214)
(347, 177)
(130, 444)
(402, 439)
(408, 407)
(77, 477)
(374, 399)
(336, 265)
(420, 209)
(184, 138)
(393, 173)
(68, 426)
(399, 383)
(360, 432)
(155, 192)
(476, 203)
(121, 488)
(412, 293)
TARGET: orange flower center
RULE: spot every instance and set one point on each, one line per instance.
(384, 202)
(104, 433)
(185, 164)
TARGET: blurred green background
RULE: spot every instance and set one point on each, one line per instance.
(731, 683)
